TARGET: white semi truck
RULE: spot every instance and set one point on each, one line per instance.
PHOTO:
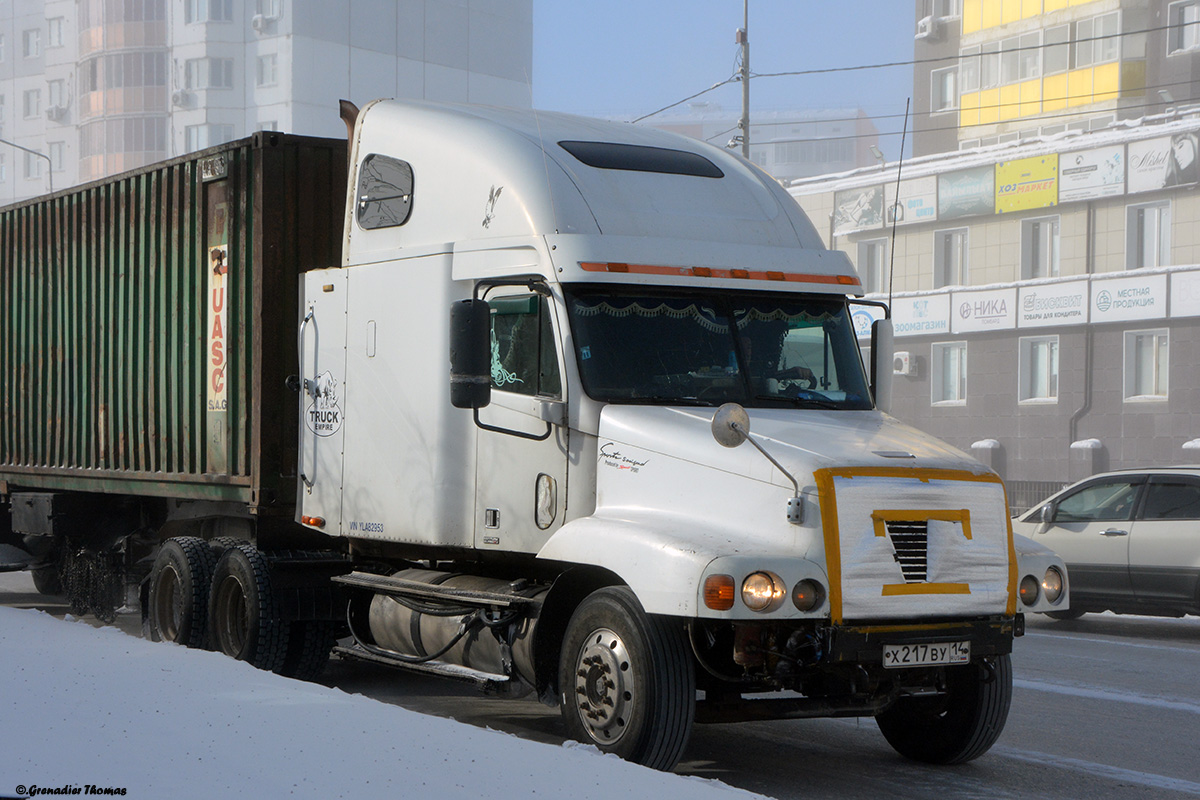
(582, 415)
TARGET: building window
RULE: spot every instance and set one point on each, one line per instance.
(944, 89)
(31, 43)
(950, 258)
(989, 66)
(269, 125)
(1010, 60)
(56, 92)
(267, 69)
(31, 104)
(208, 73)
(207, 10)
(267, 8)
(1, 48)
(949, 373)
(1148, 235)
(54, 32)
(198, 137)
(57, 152)
(1056, 55)
(1183, 20)
(33, 165)
(872, 256)
(1097, 40)
(1030, 56)
(1146, 354)
(3, 168)
(968, 70)
(1039, 248)
(1039, 368)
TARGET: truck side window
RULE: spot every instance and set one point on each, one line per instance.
(385, 187)
(524, 358)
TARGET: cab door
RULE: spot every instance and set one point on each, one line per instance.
(322, 343)
(521, 466)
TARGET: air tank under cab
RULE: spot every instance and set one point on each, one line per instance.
(581, 414)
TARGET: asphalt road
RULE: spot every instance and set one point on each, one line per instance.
(1104, 707)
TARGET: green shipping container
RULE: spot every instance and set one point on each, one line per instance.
(148, 323)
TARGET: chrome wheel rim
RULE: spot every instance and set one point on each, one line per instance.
(604, 691)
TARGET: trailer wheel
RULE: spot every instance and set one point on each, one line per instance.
(309, 645)
(626, 680)
(242, 617)
(178, 598)
(958, 726)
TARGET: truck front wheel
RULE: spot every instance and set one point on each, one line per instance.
(243, 620)
(178, 599)
(959, 725)
(626, 680)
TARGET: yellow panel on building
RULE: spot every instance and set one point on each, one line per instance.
(968, 109)
(992, 13)
(1054, 5)
(1010, 11)
(1027, 183)
(1133, 78)
(989, 106)
(1010, 101)
(1054, 92)
(1106, 82)
(1031, 98)
(972, 16)
(1031, 8)
(1079, 87)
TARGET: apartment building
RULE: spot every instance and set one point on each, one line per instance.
(89, 88)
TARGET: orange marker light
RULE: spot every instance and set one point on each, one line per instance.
(316, 522)
(718, 592)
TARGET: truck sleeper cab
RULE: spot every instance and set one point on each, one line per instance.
(582, 413)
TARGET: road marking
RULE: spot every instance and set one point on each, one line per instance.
(1147, 779)
(1109, 694)
(1094, 640)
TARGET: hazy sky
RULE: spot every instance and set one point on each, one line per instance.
(626, 58)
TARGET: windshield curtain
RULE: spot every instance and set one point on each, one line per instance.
(708, 349)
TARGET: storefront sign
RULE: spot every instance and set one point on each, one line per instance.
(1163, 162)
(1090, 174)
(922, 315)
(863, 317)
(1119, 299)
(857, 210)
(994, 310)
(918, 201)
(1027, 183)
(1052, 304)
(967, 193)
(1185, 294)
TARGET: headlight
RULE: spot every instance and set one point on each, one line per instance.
(761, 592)
(807, 595)
(1052, 584)
(1029, 590)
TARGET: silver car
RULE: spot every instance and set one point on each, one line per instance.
(1130, 539)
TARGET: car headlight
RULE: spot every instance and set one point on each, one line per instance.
(1052, 584)
(1029, 590)
(761, 591)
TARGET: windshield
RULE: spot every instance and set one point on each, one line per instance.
(708, 349)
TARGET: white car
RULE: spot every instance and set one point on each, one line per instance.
(1130, 539)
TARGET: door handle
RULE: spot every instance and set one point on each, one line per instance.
(1114, 532)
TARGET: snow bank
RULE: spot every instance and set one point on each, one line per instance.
(86, 707)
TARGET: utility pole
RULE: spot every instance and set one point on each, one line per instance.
(743, 38)
(49, 172)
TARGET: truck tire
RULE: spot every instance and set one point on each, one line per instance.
(178, 598)
(626, 680)
(46, 580)
(242, 616)
(309, 646)
(955, 727)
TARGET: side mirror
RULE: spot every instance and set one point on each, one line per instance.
(470, 354)
(730, 425)
(1046, 514)
(882, 353)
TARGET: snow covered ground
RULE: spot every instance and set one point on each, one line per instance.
(93, 707)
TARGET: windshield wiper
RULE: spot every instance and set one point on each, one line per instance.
(671, 400)
(804, 399)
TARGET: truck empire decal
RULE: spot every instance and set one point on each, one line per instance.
(218, 350)
(324, 414)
